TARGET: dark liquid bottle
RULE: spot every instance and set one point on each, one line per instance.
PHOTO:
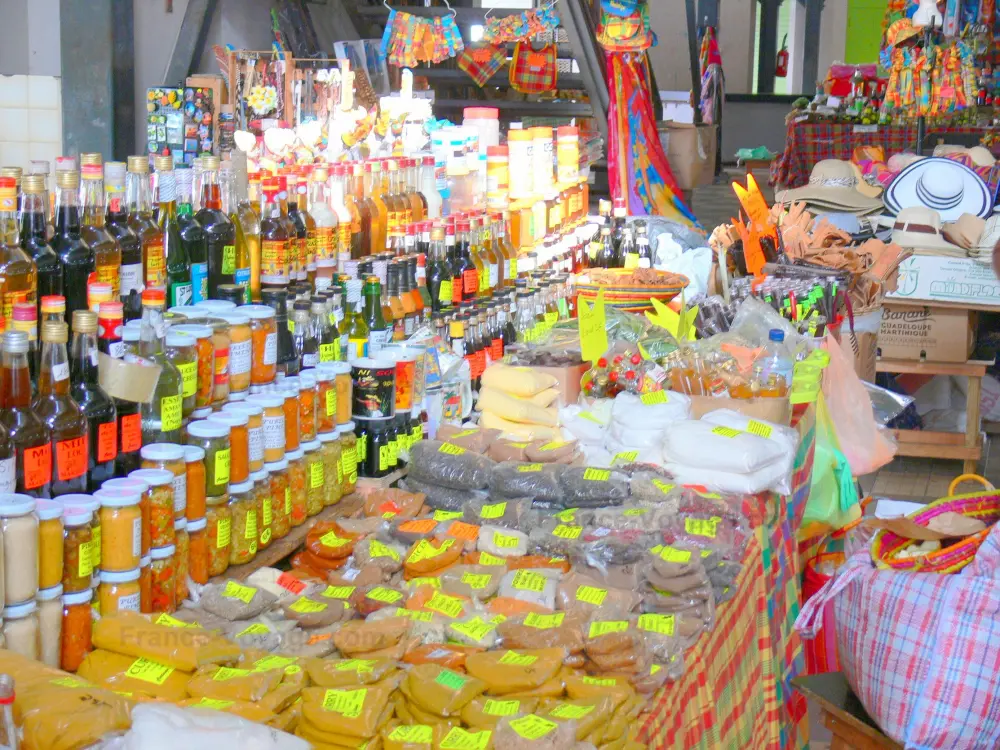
(116, 222)
(129, 430)
(288, 360)
(276, 244)
(27, 432)
(192, 239)
(178, 266)
(464, 272)
(102, 418)
(107, 253)
(220, 233)
(76, 257)
(34, 238)
(69, 432)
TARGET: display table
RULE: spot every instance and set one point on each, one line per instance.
(736, 690)
(807, 143)
(843, 714)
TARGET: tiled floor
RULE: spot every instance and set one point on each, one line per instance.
(717, 204)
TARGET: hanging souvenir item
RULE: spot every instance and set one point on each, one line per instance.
(533, 71)
(934, 80)
(629, 33)
(409, 40)
(713, 80)
(482, 61)
(519, 27)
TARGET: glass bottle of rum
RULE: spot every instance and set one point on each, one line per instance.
(177, 267)
(379, 332)
(361, 236)
(219, 229)
(97, 406)
(303, 215)
(34, 238)
(76, 256)
(161, 415)
(69, 433)
(154, 266)
(192, 234)
(274, 268)
(380, 212)
(324, 239)
(29, 434)
(107, 253)
(246, 222)
(17, 270)
(296, 236)
(439, 274)
(116, 222)
(138, 196)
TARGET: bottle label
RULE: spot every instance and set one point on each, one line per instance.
(378, 339)
(180, 294)
(60, 372)
(239, 357)
(494, 275)
(8, 474)
(37, 466)
(271, 349)
(496, 349)
(71, 458)
(470, 281)
(311, 247)
(170, 413)
(324, 242)
(9, 299)
(107, 441)
(274, 432)
(357, 348)
(199, 282)
(229, 259)
(274, 261)
(189, 377)
(256, 448)
(484, 279)
(110, 274)
(222, 366)
(131, 280)
(408, 326)
(242, 277)
(131, 427)
(156, 268)
(513, 268)
(327, 352)
(444, 292)
(302, 251)
(456, 290)
(310, 360)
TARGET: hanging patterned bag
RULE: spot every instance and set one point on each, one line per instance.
(533, 71)
(482, 61)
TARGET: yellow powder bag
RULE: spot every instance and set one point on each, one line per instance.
(233, 683)
(516, 410)
(279, 699)
(288, 719)
(517, 430)
(412, 737)
(580, 685)
(517, 381)
(481, 739)
(441, 691)
(354, 712)
(182, 648)
(590, 714)
(509, 671)
(132, 674)
(291, 667)
(484, 712)
(342, 673)
(364, 636)
(554, 688)
(243, 709)
(332, 741)
(420, 716)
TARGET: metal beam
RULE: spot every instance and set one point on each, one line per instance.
(123, 77)
(190, 41)
(88, 118)
(768, 48)
(810, 51)
(708, 12)
(582, 40)
(693, 57)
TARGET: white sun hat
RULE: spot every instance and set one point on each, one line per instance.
(950, 188)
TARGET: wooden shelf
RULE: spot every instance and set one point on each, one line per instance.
(973, 368)
(557, 108)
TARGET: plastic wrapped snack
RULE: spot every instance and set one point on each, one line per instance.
(506, 513)
(182, 648)
(533, 480)
(552, 451)
(558, 630)
(437, 497)
(650, 487)
(508, 450)
(502, 542)
(589, 487)
(235, 601)
(537, 587)
(475, 439)
(449, 465)
(391, 503)
(584, 595)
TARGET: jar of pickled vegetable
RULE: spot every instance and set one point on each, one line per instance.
(315, 483)
(121, 529)
(50, 543)
(213, 438)
(170, 457)
(163, 579)
(291, 408)
(19, 525)
(182, 351)
(333, 469)
(349, 457)
(181, 558)
(50, 624)
(161, 504)
(342, 383)
(281, 497)
(239, 352)
(298, 487)
(198, 550)
(326, 399)
(274, 424)
(265, 511)
(93, 505)
(77, 558)
(215, 306)
(219, 532)
(77, 624)
(194, 460)
(21, 632)
(133, 485)
(246, 535)
(307, 407)
(220, 342)
(119, 592)
(255, 430)
(239, 443)
(146, 585)
(205, 351)
(264, 338)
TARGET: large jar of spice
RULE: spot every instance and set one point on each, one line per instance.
(213, 438)
(219, 531)
(255, 430)
(326, 399)
(161, 504)
(290, 393)
(183, 545)
(333, 473)
(194, 460)
(50, 543)
(170, 457)
(119, 592)
(163, 579)
(239, 353)
(121, 529)
(20, 630)
(315, 484)
(349, 457)
(50, 624)
(205, 351)
(239, 443)
(281, 496)
(307, 407)
(245, 536)
(182, 351)
(265, 511)
(20, 548)
(297, 489)
(264, 338)
(274, 424)
(77, 559)
(136, 485)
(198, 550)
(77, 625)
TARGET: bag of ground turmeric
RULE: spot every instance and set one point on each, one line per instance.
(484, 712)
(182, 648)
(353, 712)
(233, 683)
(130, 674)
(509, 671)
(243, 709)
(341, 673)
(440, 691)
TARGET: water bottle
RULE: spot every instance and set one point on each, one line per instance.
(778, 361)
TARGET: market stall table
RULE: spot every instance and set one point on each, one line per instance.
(843, 713)
(809, 142)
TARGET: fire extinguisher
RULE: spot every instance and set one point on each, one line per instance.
(781, 61)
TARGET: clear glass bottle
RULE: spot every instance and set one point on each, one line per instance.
(161, 417)
(74, 253)
(107, 252)
(177, 276)
(116, 222)
(325, 236)
(246, 222)
(344, 214)
(428, 188)
(34, 238)
(327, 338)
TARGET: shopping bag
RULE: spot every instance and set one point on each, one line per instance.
(533, 71)
(482, 61)
(919, 649)
(833, 495)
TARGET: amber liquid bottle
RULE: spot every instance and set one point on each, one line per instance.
(361, 237)
(398, 205)
(380, 211)
(396, 309)
(116, 222)
(294, 269)
(154, 259)
(299, 214)
(69, 432)
(76, 256)
(28, 433)
(107, 253)
(17, 270)
(102, 418)
(417, 200)
(274, 268)
(34, 238)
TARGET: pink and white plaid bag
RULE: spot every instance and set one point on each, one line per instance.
(920, 650)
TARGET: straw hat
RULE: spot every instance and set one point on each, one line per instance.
(965, 232)
(872, 191)
(899, 31)
(919, 228)
(950, 188)
(832, 184)
(983, 251)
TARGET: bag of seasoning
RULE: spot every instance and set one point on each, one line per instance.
(502, 542)
(508, 671)
(393, 503)
(233, 683)
(589, 487)
(535, 480)
(130, 674)
(475, 439)
(485, 712)
(362, 636)
(182, 648)
(427, 556)
(341, 673)
(508, 450)
(236, 601)
(346, 712)
(330, 541)
(437, 497)
(440, 691)
(449, 465)
(506, 513)
(558, 630)
(311, 612)
(585, 595)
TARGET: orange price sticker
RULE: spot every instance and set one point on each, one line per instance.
(107, 441)
(71, 458)
(131, 433)
(37, 466)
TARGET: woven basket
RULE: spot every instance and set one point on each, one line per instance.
(984, 505)
(635, 298)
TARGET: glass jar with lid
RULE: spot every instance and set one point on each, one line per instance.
(326, 398)
(119, 592)
(215, 306)
(205, 351)
(333, 471)
(146, 585)
(75, 502)
(77, 559)
(50, 543)
(274, 424)
(77, 625)
(342, 383)
(239, 353)
(213, 438)
(255, 430)
(194, 461)
(219, 533)
(281, 496)
(264, 338)
(316, 486)
(265, 512)
(183, 545)
(239, 443)
(133, 485)
(297, 488)
(121, 529)
(163, 579)
(290, 393)
(50, 624)
(169, 456)
(246, 524)
(349, 458)
(161, 504)
(20, 548)
(198, 550)
(182, 351)
(20, 629)
(307, 407)
(220, 345)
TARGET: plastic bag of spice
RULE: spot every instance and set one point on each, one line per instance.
(449, 465)
(233, 683)
(485, 712)
(473, 581)
(370, 552)
(364, 636)
(650, 487)
(314, 612)
(183, 648)
(550, 536)
(342, 673)
(368, 599)
(330, 541)
(532, 732)
(260, 633)
(411, 531)
(585, 595)
(589, 487)
(553, 451)
(439, 690)
(537, 587)
(235, 601)
(130, 674)
(507, 513)
(534, 480)
(502, 542)
(349, 712)
(442, 498)
(558, 630)
(314, 643)
(393, 503)
(475, 439)
(427, 556)
(508, 450)
(508, 671)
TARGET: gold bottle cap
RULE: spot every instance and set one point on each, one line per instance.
(456, 329)
(138, 164)
(163, 163)
(320, 175)
(33, 184)
(55, 332)
(14, 172)
(68, 180)
(91, 160)
(84, 321)
(437, 234)
(210, 163)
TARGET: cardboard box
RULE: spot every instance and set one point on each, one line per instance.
(569, 380)
(934, 278)
(932, 334)
(777, 410)
(690, 149)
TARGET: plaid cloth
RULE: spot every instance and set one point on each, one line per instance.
(920, 649)
(807, 143)
(533, 71)
(736, 689)
(481, 61)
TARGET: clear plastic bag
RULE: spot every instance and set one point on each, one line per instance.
(654, 488)
(501, 512)
(633, 517)
(159, 726)
(584, 595)
(438, 497)
(540, 482)
(588, 487)
(448, 465)
(537, 587)
(235, 601)
(549, 535)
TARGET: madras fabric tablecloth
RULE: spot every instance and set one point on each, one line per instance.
(809, 142)
(736, 689)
